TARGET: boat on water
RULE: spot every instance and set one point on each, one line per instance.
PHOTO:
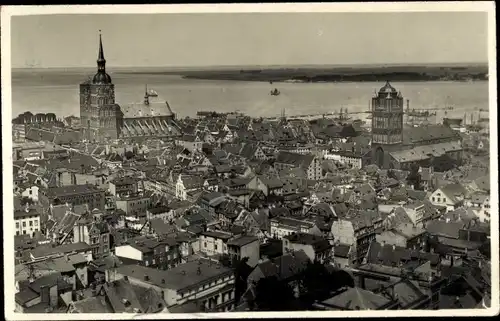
(275, 92)
(152, 93)
(417, 113)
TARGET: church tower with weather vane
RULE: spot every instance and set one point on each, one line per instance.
(100, 117)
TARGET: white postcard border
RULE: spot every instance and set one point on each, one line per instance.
(7, 12)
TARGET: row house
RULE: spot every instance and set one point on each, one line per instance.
(152, 252)
(214, 242)
(451, 196)
(133, 205)
(316, 247)
(96, 234)
(227, 212)
(204, 281)
(269, 186)
(164, 213)
(357, 230)
(27, 221)
(252, 152)
(283, 226)
(75, 195)
(29, 191)
(310, 164)
(244, 246)
(191, 142)
(254, 223)
(160, 186)
(123, 186)
(404, 235)
(42, 294)
(479, 202)
(187, 184)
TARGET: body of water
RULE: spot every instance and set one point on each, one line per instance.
(57, 91)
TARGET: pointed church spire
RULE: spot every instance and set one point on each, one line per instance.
(101, 62)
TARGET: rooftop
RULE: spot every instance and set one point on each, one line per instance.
(183, 276)
(242, 240)
(73, 189)
(356, 299)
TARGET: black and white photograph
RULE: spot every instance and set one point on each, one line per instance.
(250, 160)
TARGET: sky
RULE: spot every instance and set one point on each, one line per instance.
(238, 39)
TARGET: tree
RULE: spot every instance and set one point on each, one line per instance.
(317, 282)
(241, 272)
(391, 174)
(273, 295)
(129, 154)
(485, 249)
(414, 177)
(443, 163)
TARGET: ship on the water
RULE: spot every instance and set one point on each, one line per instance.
(343, 115)
(421, 113)
(275, 92)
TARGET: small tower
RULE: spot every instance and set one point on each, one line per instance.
(387, 124)
(283, 116)
(146, 96)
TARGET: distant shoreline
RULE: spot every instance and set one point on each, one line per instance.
(328, 75)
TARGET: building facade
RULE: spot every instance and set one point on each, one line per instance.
(88, 194)
(395, 146)
(387, 124)
(27, 221)
(102, 119)
(100, 116)
(204, 283)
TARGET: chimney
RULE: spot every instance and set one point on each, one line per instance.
(45, 294)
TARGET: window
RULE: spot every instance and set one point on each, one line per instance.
(439, 199)
(433, 199)
(36, 222)
(24, 224)
(216, 247)
(205, 244)
(17, 232)
(17, 225)
(31, 223)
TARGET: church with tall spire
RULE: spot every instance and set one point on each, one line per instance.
(100, 116)
(102, 119)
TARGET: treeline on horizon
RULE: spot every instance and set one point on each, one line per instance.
(455, 74)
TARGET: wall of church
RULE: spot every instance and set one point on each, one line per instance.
(100, 117)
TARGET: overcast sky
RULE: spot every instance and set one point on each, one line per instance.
(250, 39)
